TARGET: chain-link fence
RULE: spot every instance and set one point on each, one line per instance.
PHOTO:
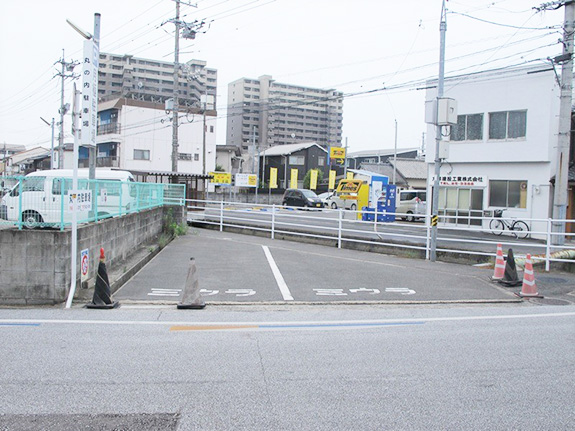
(46, 200)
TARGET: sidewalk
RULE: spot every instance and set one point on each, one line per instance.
(235, 268)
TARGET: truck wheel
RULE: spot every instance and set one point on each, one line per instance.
(410, 217)
(333, 206)
(353, 207)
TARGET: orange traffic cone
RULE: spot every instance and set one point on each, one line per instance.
(529, 288)
(499, 270)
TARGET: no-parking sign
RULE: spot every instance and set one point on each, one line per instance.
(84, 264)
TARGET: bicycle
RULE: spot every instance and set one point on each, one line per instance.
(498, 224)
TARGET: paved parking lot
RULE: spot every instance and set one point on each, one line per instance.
(234, 268)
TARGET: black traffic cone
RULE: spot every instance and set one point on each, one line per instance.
(102, 297)
(510, 278)
(191, 298)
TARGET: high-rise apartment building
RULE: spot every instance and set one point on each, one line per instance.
(277, 114)
(153, 81)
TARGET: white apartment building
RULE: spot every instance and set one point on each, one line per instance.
(153, 81)
(137, 135)
(273, 113)
(502, 153)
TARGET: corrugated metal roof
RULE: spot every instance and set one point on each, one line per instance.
(376, 153)
(411, 168)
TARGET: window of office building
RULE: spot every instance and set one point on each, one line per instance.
(468, 128)
(508, 194)
(507, 125)
(141, 154)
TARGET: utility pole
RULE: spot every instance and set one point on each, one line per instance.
(190, 31)
(66, 67)
(176, 89)
(438, 137)
(395, 154)
(564, 135)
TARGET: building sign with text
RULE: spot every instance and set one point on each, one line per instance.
(462, 181)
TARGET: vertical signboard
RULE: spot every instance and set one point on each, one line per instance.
(331, 185)
(313, 179)
(90, 93)
(293, 179)
(336, 156)
(273, 178)
(349, 176)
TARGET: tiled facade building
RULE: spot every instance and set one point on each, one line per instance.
(279, 114)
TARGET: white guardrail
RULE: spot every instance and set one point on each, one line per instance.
(456, 234)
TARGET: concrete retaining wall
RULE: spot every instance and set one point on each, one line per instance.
(35, 264)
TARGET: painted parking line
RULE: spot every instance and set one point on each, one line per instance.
(165, 292)
(278, 276)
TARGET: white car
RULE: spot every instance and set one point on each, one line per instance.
(325, 198)
(335, 201)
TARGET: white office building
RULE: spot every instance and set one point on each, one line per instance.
(502, 153)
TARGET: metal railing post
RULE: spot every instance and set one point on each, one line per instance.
(548, 246)
(221, 216)
(95, 200)
(428, 236)
(62, 199)
(339, 228)
(21, 216)
(273, 221)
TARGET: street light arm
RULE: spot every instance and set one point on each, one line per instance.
(83, 33)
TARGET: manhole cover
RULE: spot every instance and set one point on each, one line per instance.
(556, 280)
(550, 301)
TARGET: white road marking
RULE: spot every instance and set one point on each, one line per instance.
(165, 292)
(278, 276)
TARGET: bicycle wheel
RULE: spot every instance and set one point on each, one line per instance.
(497, 226)
(520, 229)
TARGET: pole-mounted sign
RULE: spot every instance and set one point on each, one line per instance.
(90, 93)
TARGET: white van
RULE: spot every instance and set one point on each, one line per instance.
(42, 192)
(411, 203)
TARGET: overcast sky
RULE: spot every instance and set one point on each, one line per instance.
(354, 46)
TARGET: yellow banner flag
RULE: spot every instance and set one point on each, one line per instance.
(293, 179)
(313, 180)
(273, 178)
(331, 185)
(350, 176)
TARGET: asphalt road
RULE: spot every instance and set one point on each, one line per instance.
(311, 367)
(234, 268)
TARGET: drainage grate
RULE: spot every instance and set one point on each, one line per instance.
(102, 422)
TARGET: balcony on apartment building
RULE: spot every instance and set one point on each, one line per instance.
(106, 129)
(101, 162)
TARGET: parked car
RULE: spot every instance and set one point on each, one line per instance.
(301, 198)
(325, 198)
(336, 201)
(411, 203)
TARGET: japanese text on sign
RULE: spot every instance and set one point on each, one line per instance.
(90, 93)
(82, 198)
